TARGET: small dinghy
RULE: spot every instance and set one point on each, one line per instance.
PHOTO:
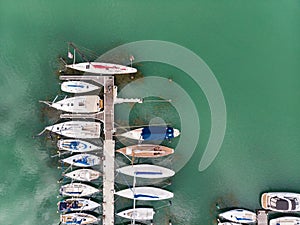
(78, 87)
(146, 151)
(145, 193)
(102, 68)
(76, 204)
(83, 160)
(78, 104)
(281, 201)
(77, 218)
(239, 216)
(76, 145)
(77, 190)
(77, 129)
(138, 214)
(285, 220)
(83, 175)
(146, 171)
(152, 133)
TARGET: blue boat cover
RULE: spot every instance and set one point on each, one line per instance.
(157, 133)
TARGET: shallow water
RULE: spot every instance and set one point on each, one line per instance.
(253, 50)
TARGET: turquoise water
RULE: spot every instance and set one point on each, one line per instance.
(253, 49)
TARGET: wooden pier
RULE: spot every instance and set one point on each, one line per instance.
(107, 117)
(262, 217)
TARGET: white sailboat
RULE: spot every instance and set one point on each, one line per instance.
(137, 214)
(76, 145)
(76, 205)
(151, 133)
(77, 190)
(146, 171)
(76, 129)
(78, 87)
(102, 68)
(285, 220)
(78, 218)
(239, 216)
(145, 193)
(83, 160)
(83, 175)
(78, 104)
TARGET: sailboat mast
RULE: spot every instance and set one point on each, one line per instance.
(79, 52)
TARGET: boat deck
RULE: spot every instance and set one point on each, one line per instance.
(107, 117)
(262, 217)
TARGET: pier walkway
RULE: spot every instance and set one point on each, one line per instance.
(107, 117)
(262, 217)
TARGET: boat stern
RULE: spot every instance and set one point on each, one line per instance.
(264, 200)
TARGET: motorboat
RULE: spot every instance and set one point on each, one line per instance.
(76, 204)
(83, 175)
(137, 214)
(239, 216)
(78, 87)
(285, 220)
(102, 68)
(78, 218)
(146, 171)
(77, 190)
(83, 160)
(78, 104)
(281, 201)
(146, 151)
(76, 145)
(145, 193)
(76, 129)
(151, 133)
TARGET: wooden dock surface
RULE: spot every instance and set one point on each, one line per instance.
(262, 217)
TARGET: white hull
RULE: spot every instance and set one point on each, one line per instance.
(83, 160)
(146, 171)
(229, 223)
(76, 205)
(83, 175)
(76, 145)
(78, 87)
(77, 218)
(286, 220)
(138, 214)
(77, 190)
(239, 216)
(145, 193)
(77, 129)
(102, 68)
(281, 201)
(79, 104)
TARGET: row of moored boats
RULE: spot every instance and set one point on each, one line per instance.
(282, 202)
(79, 189)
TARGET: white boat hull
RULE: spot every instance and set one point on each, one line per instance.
(76, 145)
(102, 68)
(77, 190)
(286, 220)
(76, 205)
(145, 193)
(228, 223)
(138, 214)
(281, 201)
(78, 87)
(239, 216)
(77, 218)
(83, 175)
(77, 129)
(79, 104)
(83, 160)
(146, 171)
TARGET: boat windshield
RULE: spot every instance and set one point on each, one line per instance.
(279, 203)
